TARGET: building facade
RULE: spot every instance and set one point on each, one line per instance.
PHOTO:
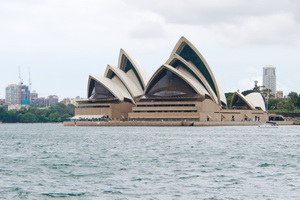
(269, 79)
(13, 94)
(182, 89)
(17, 94)
(51, 100)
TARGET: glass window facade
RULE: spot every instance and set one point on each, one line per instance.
(98, 91)
(239, 103)
(129, 66)
(168, 84)
(188, 54)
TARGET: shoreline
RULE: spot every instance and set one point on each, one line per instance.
(169, 123)
(161, 123)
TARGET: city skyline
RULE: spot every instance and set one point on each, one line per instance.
(62, 42)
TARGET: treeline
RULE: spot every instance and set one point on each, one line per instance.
(55, 113)
(289, 104)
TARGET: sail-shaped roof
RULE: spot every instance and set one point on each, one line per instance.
(133, 69)
(116, 73)
(177, 61)
(252, 101)
(257, 100)
(174, 82)
(106, 89)
(187, 51)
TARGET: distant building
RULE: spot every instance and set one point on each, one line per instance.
(12, 94)
(25, 95)
(2, 101)
(74, 101)
(66, 101)
(51, 100)
(38, 101)
(34, 94)
(17, 94)
(14, 107)
(279, 94)
(269, 79)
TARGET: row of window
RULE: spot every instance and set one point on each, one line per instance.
(167, 105)
(162, 111)
(103, 106)
(165, 119)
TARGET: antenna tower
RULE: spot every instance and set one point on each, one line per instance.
(29, 79)
(20, 78)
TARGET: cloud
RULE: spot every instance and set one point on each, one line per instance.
(268, 30)
(150, 25)
(234, 22)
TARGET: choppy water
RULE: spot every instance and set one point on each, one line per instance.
(50, 161)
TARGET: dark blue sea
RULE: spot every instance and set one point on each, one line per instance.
(50, 161)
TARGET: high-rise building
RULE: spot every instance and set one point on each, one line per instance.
(34, 94)
(279, 94)
(17, 94)
(2, 101)
(25, 95)
(269, 78)
(38, 101)
(12, 94)
(52, 100)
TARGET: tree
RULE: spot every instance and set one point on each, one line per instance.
(229, 97)
(247, 92)
(289, 107)
(11, 116)
(54, 117)
(28, 118)
(293, 98)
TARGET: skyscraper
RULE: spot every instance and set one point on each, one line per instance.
(269, 78)
(12, 94)
(17, 94)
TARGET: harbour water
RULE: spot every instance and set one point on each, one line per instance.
(51, 161)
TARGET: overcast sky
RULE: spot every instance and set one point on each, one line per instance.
(62, 42)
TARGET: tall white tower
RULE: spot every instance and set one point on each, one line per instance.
(269, 78)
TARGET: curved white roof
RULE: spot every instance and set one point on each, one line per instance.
(130, 85)
(257, 100)
(178, 49)
(142, 77)
(111, 86)
(195, 84)
(237, 94)
(196, 72)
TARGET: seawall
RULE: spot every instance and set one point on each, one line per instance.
(168, 123)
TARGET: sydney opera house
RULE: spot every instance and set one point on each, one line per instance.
(182, 89)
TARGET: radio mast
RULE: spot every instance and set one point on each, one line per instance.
(29, 79)
(20, 78)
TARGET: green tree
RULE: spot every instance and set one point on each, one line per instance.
(247, 92)
(229, 97)
(28, 118)
(289, 107)
(293, 98)
(11, 116)
(54, 117)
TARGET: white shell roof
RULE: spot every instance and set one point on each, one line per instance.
(249, 103)
(199, 75)
(140, 71)
(131, 86)
(178, 48)
(257, 100)
(186, 77)
(110, 85)
(254, 100)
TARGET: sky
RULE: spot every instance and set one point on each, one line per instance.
(61, 42)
